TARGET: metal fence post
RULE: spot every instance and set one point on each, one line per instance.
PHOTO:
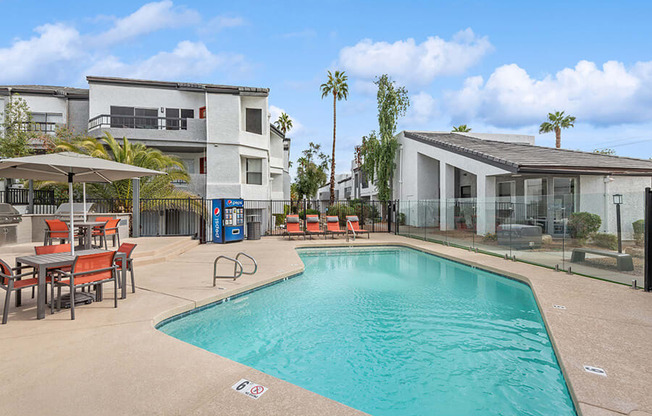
(647, 282)
(135, 210)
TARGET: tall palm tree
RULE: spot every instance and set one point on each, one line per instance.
(556, 122)
(152, 187)
(284, 123)
(336, 85)
(462, 128)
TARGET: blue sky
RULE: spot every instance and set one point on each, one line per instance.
(496, 66)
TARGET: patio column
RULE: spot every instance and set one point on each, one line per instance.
(486, 204)
(446, 196)
(135, 210)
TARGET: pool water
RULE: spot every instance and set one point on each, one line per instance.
(392, 332)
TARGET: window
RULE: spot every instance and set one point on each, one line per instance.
(465, 191)
(130, 117)
(176, 118)
(202, 165)
(202, 112)
(254, 171)
(507, 190)
(146, 118)
(254, 120)
(122, 116)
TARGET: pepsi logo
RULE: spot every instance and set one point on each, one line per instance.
(216, 211)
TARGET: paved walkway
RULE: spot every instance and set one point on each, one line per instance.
(112, 361)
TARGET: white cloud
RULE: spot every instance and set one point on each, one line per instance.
(149, 18)
(221, 22)
(188, 60)
(611, 94)
(26, 59)
(423, 108)
(415, 63)
(275, 112)
(60, 54)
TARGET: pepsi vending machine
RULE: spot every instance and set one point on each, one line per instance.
(228, 220)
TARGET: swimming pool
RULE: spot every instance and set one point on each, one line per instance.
(392, 331)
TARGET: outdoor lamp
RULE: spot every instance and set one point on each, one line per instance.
(618, 199)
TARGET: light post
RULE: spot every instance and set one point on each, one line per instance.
(618, 200)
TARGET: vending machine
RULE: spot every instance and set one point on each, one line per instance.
(228, 220)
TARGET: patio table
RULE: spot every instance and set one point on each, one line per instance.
(87, 227)
(43, 262)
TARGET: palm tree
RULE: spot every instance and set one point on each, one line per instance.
(284, 123)
(462, 128)
(337, 86)
(556, 122)
(153, 187)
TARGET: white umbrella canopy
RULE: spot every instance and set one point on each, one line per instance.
(72, 168)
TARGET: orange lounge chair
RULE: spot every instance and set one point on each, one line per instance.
(52, 272)
(293, 226)
(312, 226)
(57, 230)
(333, 226)
(353, 225)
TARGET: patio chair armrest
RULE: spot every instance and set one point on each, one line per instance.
(31, 273)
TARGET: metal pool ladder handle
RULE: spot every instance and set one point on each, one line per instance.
(249, 257)
(236, 273)
(347, 230)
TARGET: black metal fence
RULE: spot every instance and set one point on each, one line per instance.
(20, 196)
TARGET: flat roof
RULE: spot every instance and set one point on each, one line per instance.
(526, 158)
(185, 86)
(50, 90)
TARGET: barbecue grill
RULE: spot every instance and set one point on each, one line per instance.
(9, 219)
(63, 212)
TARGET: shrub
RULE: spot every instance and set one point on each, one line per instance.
(309, 211)
(401, 218)
(605, 240)
(341, 211)
(489, 237)
(639, 231)
(280, 219)
(583, 224)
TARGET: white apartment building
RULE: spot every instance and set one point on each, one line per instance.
(222, 133)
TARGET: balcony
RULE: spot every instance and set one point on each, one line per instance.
(163, 129)
(41, 126)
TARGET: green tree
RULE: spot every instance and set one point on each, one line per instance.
(338, 87)
(462, 128)
(284, 123)
(556, 122)
(378, 154)
(17, 131)
(158, 186)
(311, 171)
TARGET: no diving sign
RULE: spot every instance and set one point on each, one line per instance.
(249, 388)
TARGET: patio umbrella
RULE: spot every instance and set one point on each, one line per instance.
(72, 168)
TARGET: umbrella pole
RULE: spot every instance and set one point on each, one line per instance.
(84, 189)
(72, 225)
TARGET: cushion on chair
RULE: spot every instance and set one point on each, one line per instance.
(292, 219)
(352, 218)
(312, 219)
(333, 219)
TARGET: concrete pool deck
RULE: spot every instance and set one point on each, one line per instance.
(114, 362)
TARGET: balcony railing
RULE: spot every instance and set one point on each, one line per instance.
(138, 122)
(40, 126)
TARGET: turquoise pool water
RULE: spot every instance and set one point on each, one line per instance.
(392, 332)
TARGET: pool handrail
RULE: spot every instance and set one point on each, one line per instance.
(249, 257)
(235, 275)
(348, 222)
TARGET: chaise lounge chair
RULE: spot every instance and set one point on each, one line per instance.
(353, 226)
(333, 226)
(312, 226)
(293, 226)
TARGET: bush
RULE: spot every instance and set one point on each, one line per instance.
(639, 231)
(309, 211)
(583, 224)
(280, 219)
(489, 238)
(401, 218)
(341, 211)
(605, 240)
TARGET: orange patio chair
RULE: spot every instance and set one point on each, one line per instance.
(333, 226)
(52, 273)
(312, 226)
(57, 229)
(106, 230)
(127, 248)
(353, 225)
(293, 226)
(12, 282)
(88, 270)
